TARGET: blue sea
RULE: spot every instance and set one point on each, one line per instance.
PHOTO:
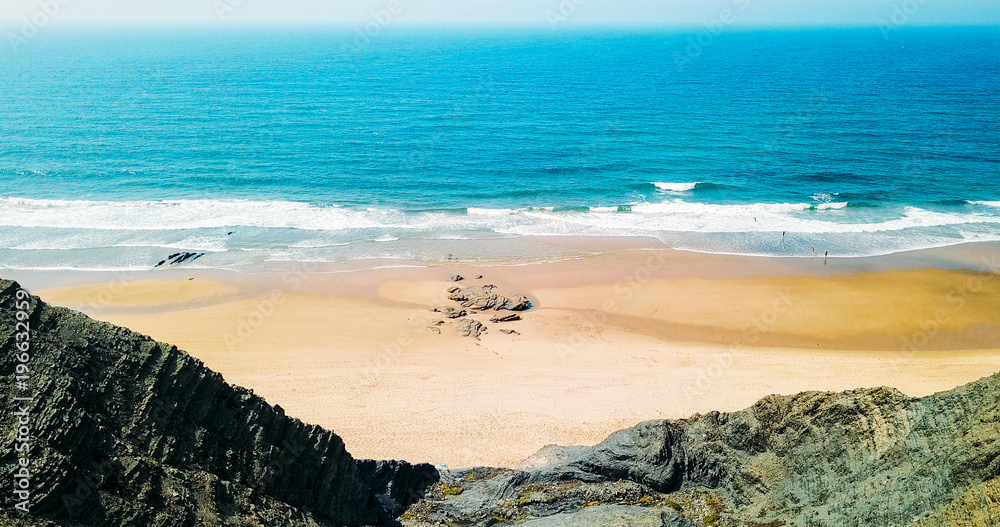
(269, 148)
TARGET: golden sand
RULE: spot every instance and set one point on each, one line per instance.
(614, 340)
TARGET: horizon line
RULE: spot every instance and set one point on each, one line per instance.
(477, 25)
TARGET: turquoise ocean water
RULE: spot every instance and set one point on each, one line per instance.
(267, 148)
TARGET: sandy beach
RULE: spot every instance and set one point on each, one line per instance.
(632, 334)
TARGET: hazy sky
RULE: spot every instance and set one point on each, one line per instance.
(562, 13)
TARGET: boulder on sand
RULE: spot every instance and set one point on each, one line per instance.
(482, 297)
(518, 303)
(454, 313)
(470, 328)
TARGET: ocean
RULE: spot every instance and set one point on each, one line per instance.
(266, 148)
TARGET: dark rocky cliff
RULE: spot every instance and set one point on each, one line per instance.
(129, 431)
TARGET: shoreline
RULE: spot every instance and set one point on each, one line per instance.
(980, 255)
(352, 351)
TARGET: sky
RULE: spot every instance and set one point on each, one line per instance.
(549, 13)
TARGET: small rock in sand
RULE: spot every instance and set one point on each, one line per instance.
(509, 332)
(457, 278)
(470, 328)
(509, 317)
(454, 313)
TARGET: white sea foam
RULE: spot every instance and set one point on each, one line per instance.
(316, 245)
(685, 207)
(47, 227)
(85, 224)
(987, 203)
(187, 214)
(490, 212)
(825, 197)
(674, 187)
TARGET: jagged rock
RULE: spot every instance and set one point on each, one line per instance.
(509, 317)
(454, 289)
(476, 297)
(397, 484)
(979, 506)
(518, 303)
(457, 278)
(129, 431)
(483, 297)
(468, 327)
(509, 332)
(454, 313)
(179, 258)
(612, 515)
(862, 457)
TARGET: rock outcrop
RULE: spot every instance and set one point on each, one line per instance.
(450, 312)
(470, 328)
(483, 297)
(858, 458)
(179, 258)
(398, 484)
(128, 431)
(509, 317)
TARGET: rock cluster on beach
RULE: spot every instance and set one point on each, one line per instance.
(485, 297)
(128, 431)
(476, 299)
